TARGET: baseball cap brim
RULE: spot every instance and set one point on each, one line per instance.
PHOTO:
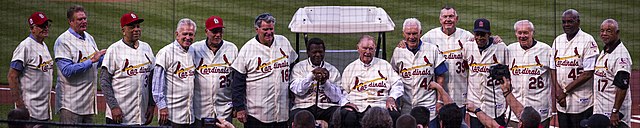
(135, 22)
(481, 30)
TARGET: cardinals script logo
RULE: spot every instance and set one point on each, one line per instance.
(44, 66)
(377, 82)
(183, 72)
(416, 70)
(205, 69)
(482, 67)
(82, 59)
(532, 69)
(455, 53)
(267, 67)
(133, 70)
(568, 60)
(600, 70)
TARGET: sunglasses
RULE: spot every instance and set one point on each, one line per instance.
(44, 25)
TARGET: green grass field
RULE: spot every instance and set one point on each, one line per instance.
(162, 15)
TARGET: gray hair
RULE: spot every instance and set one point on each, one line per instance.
(366, 37)
(515, 26)
(188, 22)
(612, 22)
(447, 7)
(411, 22)
(572, 12)
(266, 17)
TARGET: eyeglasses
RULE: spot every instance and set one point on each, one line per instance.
(216, 30)
(44, 25)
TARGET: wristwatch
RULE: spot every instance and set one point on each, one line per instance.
(476, 111)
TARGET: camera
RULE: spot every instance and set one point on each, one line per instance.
(209, 122)
(498, 71)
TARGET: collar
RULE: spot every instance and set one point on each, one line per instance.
(125, 43)
(219, 45)
(32, 37)
(532, 44)
(175, 42)
(489, 43)
(367, 65)
(416, 49)
(76, 34)
(314, 66)
(613, 46)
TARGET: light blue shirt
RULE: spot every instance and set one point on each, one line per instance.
(159, 86)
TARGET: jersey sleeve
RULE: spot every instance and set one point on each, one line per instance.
(20, 54)
(553, 52)
(240, 64)
(109, 61)
(62, 50)
(623, 63)
(589, 55)
(161, 59)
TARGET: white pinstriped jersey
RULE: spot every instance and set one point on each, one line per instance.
(607, 66)
(530, 76)
(212, 97)
(371, 85)
(131, 68)
(78, 92)
(483, 92)
(36, 78)
(416, 72)
(179, 72)
(569, 57)
(267, 69)
(456, 49)
(302, 77)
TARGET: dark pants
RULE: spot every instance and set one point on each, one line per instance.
(567, 120)
(318, 113)
(475, 122)
(255, 123)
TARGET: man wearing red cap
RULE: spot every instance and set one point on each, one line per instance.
(125, 76)
(213, 57)
(77, 57)
(30, 75)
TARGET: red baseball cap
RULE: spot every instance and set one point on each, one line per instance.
(129, 18)
(38, 18)
(214, 22)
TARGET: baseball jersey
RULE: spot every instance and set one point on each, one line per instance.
(369, 85)
(78, 92)
(179, 71)
(530, 76)
(36, 78)
(457, 49)
(483, 91)
(570, 56)
(607, 66)
(212, 95)
(305, 88)
(416, 72)
(267, 69)
(131, 68)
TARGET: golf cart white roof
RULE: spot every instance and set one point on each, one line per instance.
(341, 19)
